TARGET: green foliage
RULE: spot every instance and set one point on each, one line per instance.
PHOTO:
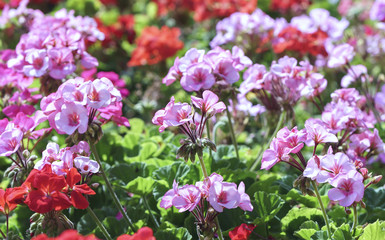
(296, 216)
(374, 231)
(266, 206)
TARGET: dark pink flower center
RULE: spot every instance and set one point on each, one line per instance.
(74, 119)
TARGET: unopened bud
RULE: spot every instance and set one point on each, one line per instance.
(377, 179)
(26, 153)
(363, 205)
(95, 185)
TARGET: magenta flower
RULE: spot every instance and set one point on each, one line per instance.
(285, 67)
(71, 118)
(292, 139)
(340, 55)
(192, 56)
(244, 202)
(37, 63)
(333, 166)
(174, 74)
(98, 95)
(197, 77)
(166, 201)
(347, 191)
(318, 134)
(61, 63)
(224, 195)
(86, 165)
(277, 152)
(354, 73)
(174, 114)
(224, 70)
(209, 104)
(10, 141)
(187, 199)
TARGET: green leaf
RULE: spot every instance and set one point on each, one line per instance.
(160, 188)
(342, 233)
(320, 235)
(305, 233)
(375, 204)
(173, 234)
(114, 227)
(338, 215)
(124, 173)
(236, 175)
(140, 186)
(296, 216)
(177, 171)
(147, 150)
(266, 206)
(374, 231)
(137, 125)
(307, 201)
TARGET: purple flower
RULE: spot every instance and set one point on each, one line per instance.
(198, 76)
(318, 134)
(71, 118)
(166, 201)
(284, 67)
(224, 195)
(10, 141)
(192, 56)
(354, 73)
(37, 63)
(340, 55)
(244, 202)
(333, 166)
(187, 199)
(292, 139)
(209, 104)
(377, 12)
(348, 190)
(276, 153)
(86, 165)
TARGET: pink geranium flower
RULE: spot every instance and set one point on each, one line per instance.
(10, 141)
(277, 152)
(318, 134)
(348, 190)
(293, 139)
(209, 103)
(71, 118)
(244, 202)
(166, 201)
(224, 195)
(197, 77)
(187, 199)
(36, 63)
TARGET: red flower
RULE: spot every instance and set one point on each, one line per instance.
(76, 191)
(242, 232)
(6, 206)
(292, 39)
(145, 233)
(46, 194)
(66, 235)
(155, 45)
(285, 6)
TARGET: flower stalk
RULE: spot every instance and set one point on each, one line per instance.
(109, 187)
(233, 138)
(100, 225)
(322, 207)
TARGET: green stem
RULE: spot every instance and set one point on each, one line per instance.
(100, 225)
(151, 214)
(202, 163)
(219, 231)
(232, 132)
(322, 208)
(109, 187)
(277, 128)
(208, 136)
(355, 220)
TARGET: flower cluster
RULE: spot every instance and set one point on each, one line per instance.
(242, 232)
(248, 31)
(304, 34)
(54, 44)
(181, 115)
(123, 29)
(283, 85)
(290, 6)
(44, 191)
(155, 45)
(75, 104)
(199, 71)
(213, 192)
(380, 102)
(62, 160)
(66, 235)
(206, 9)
